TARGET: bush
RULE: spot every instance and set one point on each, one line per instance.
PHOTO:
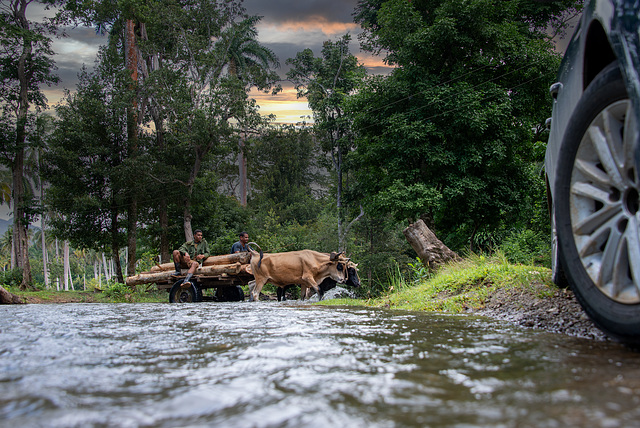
(118, 292)
(527, 247)
(11, 277)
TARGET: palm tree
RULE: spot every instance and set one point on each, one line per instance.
(249, 62)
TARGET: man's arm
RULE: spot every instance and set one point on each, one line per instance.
(207, 251)
(184, 249)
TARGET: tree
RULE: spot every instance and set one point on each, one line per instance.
(184, 87)
(447, 136)
(26, 64)
(286, 174)
(251, 62)
(209, 74)
(85, 162)
(326, 82)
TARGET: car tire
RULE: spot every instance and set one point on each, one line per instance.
(596, 206)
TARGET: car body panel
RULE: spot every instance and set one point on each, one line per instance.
(619, 19)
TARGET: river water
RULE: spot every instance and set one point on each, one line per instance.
(269, 364)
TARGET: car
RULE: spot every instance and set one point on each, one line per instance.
(592, 167)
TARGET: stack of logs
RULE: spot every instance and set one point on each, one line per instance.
(228, 264)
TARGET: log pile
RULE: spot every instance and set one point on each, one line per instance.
(228, 264)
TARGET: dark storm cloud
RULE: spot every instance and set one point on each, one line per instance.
(291, 10)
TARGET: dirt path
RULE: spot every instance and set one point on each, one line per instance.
(560, 313)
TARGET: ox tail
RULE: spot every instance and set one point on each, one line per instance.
(261, 254)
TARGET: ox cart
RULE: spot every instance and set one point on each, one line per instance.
(226, 273)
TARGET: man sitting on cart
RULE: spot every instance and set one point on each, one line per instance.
(241, 245)
(191, 255)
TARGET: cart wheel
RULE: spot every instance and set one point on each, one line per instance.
(189, 294)
(239, 294)
(230, 294)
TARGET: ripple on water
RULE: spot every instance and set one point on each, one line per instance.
(270, 364)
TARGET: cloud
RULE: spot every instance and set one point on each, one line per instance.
(276, 11)
(313, 24)
(287, 27)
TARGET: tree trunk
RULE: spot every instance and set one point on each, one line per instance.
(58, 262)
(65, 263)
(430, 249)
(341, 239)
(165, 254)
(106, 268)
(188, 231)
(45, 258)
(20, 222)
(7, 298)
(242, 162)
(131, 59)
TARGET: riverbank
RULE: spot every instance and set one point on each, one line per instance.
(520, 294)
(492, 287)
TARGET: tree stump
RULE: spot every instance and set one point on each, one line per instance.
(430, 249)
(7, 298)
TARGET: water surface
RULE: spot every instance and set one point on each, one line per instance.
(269, 364)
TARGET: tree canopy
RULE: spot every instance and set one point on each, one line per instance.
(448, 134)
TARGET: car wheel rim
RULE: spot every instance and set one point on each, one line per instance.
(604, 203)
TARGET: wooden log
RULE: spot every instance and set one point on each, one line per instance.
(224, 259)
(430, 249)
(163, 276)
(7, 298)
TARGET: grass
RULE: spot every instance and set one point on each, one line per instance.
(458, 286)
(118, 293)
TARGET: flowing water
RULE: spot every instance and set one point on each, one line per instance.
(269, 364)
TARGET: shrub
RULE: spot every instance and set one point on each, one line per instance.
(11, 277)
(527, 247)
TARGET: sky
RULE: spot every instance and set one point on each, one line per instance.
(287, 27)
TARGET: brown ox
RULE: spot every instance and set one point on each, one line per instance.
(306, 267)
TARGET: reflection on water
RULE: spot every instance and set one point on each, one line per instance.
(273, 364)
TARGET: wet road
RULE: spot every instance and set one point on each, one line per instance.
(271, 364)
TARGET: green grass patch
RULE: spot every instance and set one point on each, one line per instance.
(113, 293)
(461, 285)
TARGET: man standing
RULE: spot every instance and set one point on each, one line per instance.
(191, 255)
(241, 245)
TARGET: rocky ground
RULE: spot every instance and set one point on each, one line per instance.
(560, 313)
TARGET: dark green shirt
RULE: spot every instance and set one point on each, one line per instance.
(194, 249)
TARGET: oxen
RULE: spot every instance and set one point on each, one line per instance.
(307, 268)
(352, 280)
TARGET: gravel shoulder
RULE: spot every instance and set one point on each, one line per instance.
(559, 313)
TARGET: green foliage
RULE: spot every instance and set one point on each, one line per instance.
(327, 81)
(85, 160)
(527, 247)
(11, 277)
(146, 261)
(284, 171)
(448, 134)
(118, 292)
